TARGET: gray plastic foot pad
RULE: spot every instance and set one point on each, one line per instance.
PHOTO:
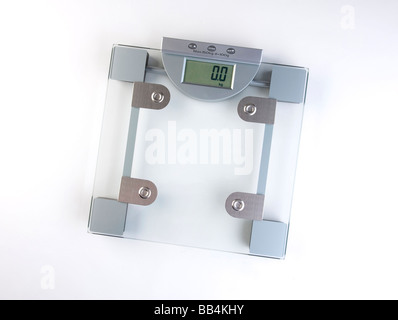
(128, 64)
(288, 84)
(108, 217)
(269, 239)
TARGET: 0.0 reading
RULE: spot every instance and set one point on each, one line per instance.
(219, 76)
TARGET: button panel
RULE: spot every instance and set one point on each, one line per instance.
(212, 51)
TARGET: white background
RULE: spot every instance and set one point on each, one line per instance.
(54, 58)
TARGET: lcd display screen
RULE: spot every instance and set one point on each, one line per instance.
(209, 74)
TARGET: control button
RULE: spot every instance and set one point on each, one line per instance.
(192, 46)
(231, 50)
(211, 48)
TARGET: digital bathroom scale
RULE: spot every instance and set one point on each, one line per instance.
(199, 147)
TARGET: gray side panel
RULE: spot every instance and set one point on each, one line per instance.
(288, 84)
(128, 64)
(269, 239)
(265, 156)
(129, 156)
(108, 217)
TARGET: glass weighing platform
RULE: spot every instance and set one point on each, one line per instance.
(199, 147)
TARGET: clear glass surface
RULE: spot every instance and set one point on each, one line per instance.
(197, 153)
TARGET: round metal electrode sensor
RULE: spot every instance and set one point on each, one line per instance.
(157, 97)
(250, 109)
(238, 205)
(145, 193)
